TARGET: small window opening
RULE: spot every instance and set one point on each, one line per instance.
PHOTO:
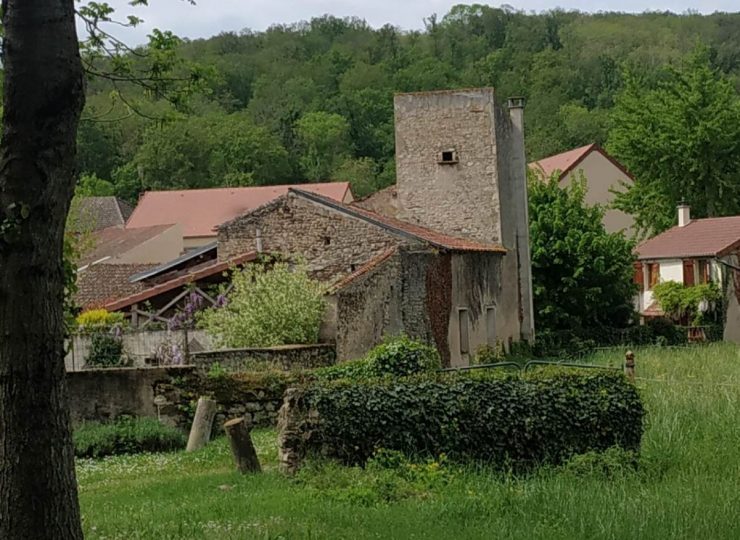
(327, 240)
(463, 323)
(352, 267)
(448, 157)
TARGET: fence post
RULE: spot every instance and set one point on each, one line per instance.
(629, 366)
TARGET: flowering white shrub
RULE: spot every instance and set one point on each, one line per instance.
(271, 306)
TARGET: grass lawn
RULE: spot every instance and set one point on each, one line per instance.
(687, 484)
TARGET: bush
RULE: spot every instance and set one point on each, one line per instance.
(106, 350)
(126, 436)
(545, 416)
(98, 319)
(267, 307)
(398, 357)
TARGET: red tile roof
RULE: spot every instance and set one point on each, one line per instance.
(114, 241)
(199, 211)
(364, 269)
(568, 161)
(192, 276)
(101, 283)
(435, 238)
(711, 237)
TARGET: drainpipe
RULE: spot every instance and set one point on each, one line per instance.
(521, 212)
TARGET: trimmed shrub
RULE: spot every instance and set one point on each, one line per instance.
(398, 357)
(106, 350)
(546, 416)
(126, 436)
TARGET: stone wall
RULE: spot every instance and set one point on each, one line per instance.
(101, 395)
(286, 357)
(732, 300)
(332, 243)
(105, 394)
(461, 198)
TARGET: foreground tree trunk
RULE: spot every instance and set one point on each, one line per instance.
(44, 95)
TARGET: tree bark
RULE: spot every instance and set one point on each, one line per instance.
(242, 448)
(43, 97)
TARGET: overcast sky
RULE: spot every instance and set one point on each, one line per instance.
(209, 17)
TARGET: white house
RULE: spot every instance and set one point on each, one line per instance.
(693, 252)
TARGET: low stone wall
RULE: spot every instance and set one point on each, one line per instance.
(102, 395)
(286, 357)
(105, 394)
(255, 396)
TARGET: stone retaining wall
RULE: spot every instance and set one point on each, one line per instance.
(286, 357)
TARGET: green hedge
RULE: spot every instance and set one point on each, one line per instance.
(399, 356)
(126, 436)
(546, 416)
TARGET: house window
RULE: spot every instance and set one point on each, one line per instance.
(491, 325)
(463, 327)
(653, 274)
(704, 272)
(447, 157)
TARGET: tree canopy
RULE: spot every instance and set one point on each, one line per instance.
(320, 93)
(581, 275)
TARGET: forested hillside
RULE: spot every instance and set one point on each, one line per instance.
(313, 101)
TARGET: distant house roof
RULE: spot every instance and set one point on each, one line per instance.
(115, 241)
(710, 237)
(200, 211)
(96, 213)
(100, 283)
(189, 276)
(568, 161)
(402, 228)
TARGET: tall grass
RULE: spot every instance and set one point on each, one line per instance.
(685, 486)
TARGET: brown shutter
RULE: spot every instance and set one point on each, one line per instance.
(639, 278)
(688, 273)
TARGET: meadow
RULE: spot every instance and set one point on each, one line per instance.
(684, 484)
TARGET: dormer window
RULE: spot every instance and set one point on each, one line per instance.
(447, 157)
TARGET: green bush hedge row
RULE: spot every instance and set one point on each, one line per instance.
(397, 357)
(544, 416)
(126, 436)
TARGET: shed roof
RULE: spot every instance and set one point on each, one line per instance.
(114, 241)
(101, 283)
(710, 237)
(200, 211)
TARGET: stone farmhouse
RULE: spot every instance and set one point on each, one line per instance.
(445, 258)
(603, 174)
(695, 251)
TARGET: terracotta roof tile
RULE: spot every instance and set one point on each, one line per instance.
(200, 211)
(710, 237)
(191, 276)
(568, 161)
(113, 241)
(364, 269)
(96, 213)
(435, 238)
(100, 283)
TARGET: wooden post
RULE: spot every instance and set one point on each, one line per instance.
(629, 366)
(242, 448)
(200, 432)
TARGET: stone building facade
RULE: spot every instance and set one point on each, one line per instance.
(388, 276)
(461, 169)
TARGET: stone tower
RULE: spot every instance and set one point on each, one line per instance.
(461, 169)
